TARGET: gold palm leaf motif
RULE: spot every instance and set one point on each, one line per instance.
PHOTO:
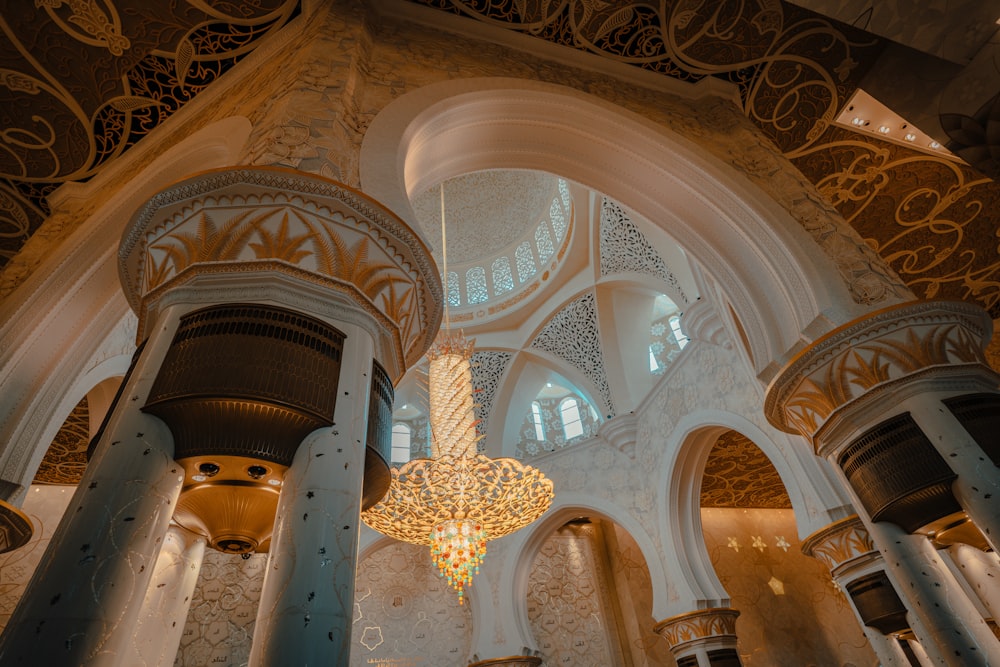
(208, 243)
(916, 352)
(280, 245)
(867, 374)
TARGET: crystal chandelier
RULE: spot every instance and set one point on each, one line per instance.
(457, 500)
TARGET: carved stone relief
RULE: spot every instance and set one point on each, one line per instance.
(573, 336)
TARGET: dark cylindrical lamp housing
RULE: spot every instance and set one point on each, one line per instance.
(899, 476)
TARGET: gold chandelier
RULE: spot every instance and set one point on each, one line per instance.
(457, 500)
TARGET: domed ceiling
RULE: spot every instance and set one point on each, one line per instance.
(486, 212)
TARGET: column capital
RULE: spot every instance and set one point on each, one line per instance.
(698, 627)
(868, 360)
(510, 661)
(840, 544)
(297, 230)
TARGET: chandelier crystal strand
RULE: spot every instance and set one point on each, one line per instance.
(458, 499)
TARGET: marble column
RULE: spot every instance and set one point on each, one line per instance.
(307, 601)
(702, 638)
(168, 598)
(981, 570)
(977, 486)
(846, 548)
(945, 621)
(82, 604)
(871, 398)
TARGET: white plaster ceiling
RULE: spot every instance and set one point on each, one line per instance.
(485, 212)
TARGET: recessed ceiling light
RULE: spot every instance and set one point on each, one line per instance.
(909, 136)
(935, 145)
(884, 129)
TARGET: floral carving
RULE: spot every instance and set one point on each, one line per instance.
(861, 356)
(572, 335)
(695, 625)
(488, 367)
(625, 249)
(839, 542)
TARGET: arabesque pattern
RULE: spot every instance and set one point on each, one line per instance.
(66, 458)
(934, 221)
(84, 81)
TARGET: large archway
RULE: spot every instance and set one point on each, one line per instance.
(777, 279)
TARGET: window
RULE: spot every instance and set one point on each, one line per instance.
(654, 365)
(569, 411)
(536, 417)
(675, 327)
(475, 285)
(400, 443)
(557, 213)
(544, 243)
(503, 280)
(454, 299)
(525, 262)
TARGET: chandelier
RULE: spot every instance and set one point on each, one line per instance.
(457, 500)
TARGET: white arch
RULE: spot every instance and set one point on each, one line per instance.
(525, 544)
(55, 322)
(815, 502)
(777, 278)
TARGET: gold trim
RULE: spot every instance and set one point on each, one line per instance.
(831, 372)
(697, 625)
(16, 528)
(232, 509)
(509, 661)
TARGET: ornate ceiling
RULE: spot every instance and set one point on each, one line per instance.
(475, 232)
(738, 474)
(935, 221)
(66, 458)
(81, 82)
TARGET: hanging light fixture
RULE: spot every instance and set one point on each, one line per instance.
(457, 500)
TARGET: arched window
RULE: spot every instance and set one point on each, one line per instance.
(454, 298)
(569, 412)
(503, 280)
(475, 285)
(536, 417)
(525, 262)
(675, 327)
(654, 365)
(400, 443)
(544, 243)
(557, 213)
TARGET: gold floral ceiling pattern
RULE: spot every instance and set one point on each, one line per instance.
(934, 221)
(738, 474)
(83, 81)
(66, 458)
